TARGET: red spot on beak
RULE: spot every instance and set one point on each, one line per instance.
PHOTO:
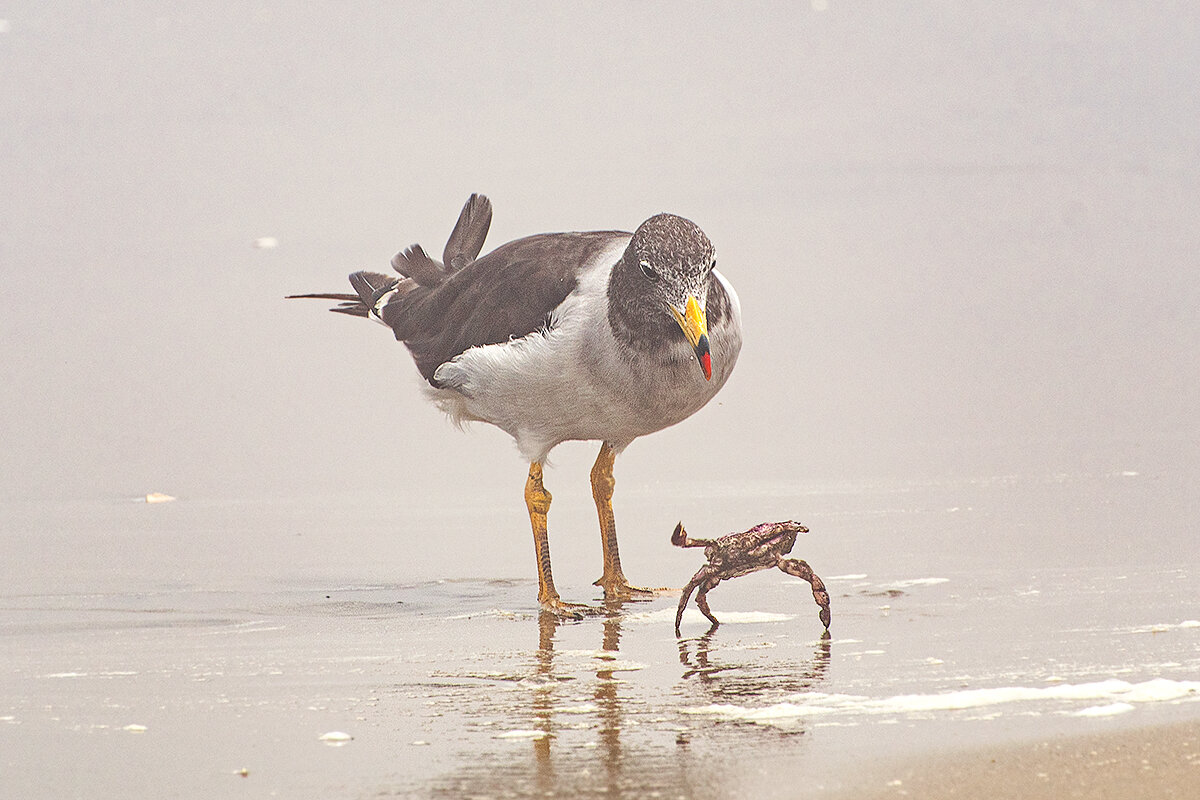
(706, 365)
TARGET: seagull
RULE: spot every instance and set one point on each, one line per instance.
(596, 336)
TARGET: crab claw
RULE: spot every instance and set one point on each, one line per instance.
(680, 538)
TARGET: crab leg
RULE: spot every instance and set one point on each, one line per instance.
(707, 582)
(685, 596)
(702, 601)
(801, 569)
(700, 579)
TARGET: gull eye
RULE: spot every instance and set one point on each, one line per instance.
(648, 271)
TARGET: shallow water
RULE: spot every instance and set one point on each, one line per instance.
(155, 650)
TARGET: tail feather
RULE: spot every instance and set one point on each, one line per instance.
(413, 262)
(466, 240)
(350, 304)
(371, 287)
(355, 309)
(415, 266)
(323, 296)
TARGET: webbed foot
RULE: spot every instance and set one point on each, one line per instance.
(564, 610)
(619, 588)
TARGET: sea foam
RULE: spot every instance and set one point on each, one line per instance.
(1101, 698)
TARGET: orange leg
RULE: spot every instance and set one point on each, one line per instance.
(537, 500)
(613, 580)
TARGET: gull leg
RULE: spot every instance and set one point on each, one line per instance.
(613, 580)
(801, 569)
(537, 500)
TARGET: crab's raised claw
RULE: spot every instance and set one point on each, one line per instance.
(696, 580)
(680, 538)
(801, 569)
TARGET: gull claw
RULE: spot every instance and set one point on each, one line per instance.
(621, 589)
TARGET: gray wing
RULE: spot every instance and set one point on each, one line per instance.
(507, 294)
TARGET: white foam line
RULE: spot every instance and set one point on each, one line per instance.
(913, 582)
(1118, 692)
(1163, 627)
(498, 613)
(260, 626)
(1110, 710)
(522, 734)
(692, 615)
(115, 674)
(618, 666)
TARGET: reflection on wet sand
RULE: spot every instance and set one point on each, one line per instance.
(608, 698)
(605, 694)
(618, 744)
(724, 681)
(543, 701)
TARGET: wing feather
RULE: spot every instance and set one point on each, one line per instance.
(506, 294)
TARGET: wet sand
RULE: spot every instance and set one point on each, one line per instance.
(145, 655)
(1158, 762)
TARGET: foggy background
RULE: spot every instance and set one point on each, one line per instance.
(964, 235)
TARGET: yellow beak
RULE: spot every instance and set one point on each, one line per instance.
(695, 328)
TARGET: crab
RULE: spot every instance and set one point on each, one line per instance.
(737, 554)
